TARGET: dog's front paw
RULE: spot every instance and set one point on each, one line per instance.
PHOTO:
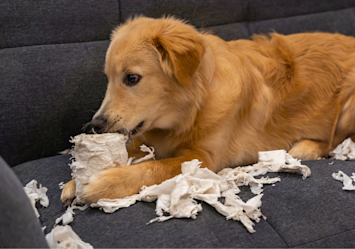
(68, 192)
(112, 183)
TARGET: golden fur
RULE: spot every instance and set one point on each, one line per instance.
(221, 102)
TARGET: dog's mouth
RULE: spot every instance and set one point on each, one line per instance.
(136, 129)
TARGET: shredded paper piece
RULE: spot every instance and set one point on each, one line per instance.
(145, 148)
(64, 237)
(111, 205)
(68, 216)
(61, 185)
(36, 194)
(344, 151)
(347, 181)
(177, 196)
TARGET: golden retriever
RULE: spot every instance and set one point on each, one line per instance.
(193, 95)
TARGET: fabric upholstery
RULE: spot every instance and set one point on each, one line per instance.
(202, 13)
(314, 212)
(340, 21)
(38, 22)
(50, 92)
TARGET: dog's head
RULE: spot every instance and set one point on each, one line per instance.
(151, 67)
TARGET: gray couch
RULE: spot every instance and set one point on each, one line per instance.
(51, 61)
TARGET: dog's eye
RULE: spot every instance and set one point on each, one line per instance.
(132, 79)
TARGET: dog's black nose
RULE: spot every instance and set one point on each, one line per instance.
(99, 123)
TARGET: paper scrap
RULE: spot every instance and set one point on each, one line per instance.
(111, 205)
(61, 185)
(68, 216)
(64, 237)
(353, 176)
(344, 151)
(145, 148)
(35, 194)
(281, 161)
(347, 181)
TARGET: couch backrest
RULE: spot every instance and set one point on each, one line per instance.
(52, 55)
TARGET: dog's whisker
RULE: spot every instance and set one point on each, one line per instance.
(134, 144)
(92, 111)
(103, 130)
(141, 134)
(85, 126)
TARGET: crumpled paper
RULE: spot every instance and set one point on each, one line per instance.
(68, 215)
(281, 161)
(347, 181)
(111, 205)
(64, 237)
(149, 156)
(344, 151)
(177, 196)
(36, 194)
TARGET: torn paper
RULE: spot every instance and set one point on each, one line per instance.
(111, 205)
(68, 216)
(347, 181)
(145, 148)
(177, 196)
(61, 185)
(36, 194)
(344, 151)
(94, 153)
(65, 237)
(281, 161)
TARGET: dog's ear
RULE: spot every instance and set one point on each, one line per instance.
(181, 49)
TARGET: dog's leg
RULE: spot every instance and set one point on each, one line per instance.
(123, 181)
(309, 149)
(68, 192)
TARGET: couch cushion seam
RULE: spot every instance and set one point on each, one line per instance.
(269, 19)
(329, 236)
(54, 44)
(278, 233)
